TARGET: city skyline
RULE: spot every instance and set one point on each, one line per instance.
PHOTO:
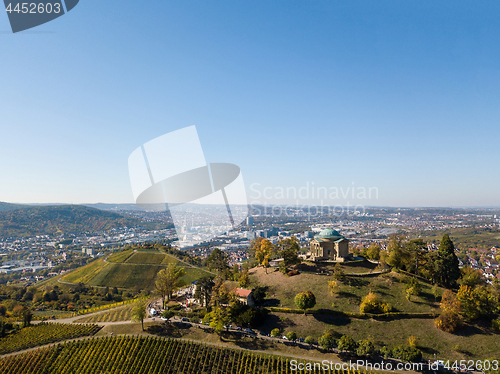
(397, 97)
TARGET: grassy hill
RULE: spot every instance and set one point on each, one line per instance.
(476, 341)
(130, 269)
(60, 219)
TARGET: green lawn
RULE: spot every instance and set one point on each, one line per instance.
(389, 287)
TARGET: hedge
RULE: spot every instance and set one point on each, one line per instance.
(354, 315)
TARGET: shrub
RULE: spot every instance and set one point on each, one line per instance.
(408, 354)
(448, 322)
(372, 304)
(309, 340)
(291, 273)
(412, 341)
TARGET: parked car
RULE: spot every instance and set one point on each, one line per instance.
(184, 319)
(250, 331)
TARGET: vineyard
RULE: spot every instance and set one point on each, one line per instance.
(139, 355)
(44, 333)
(115, 315)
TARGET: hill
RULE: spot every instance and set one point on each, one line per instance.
(60, 219)
(131, 270)
(5, 207)
(339, 313)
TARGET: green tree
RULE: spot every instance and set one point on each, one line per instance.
(218, 261)
(27, 316)
(471, 277)
(203, 291)
(347, 343)
(373, 252)
(292, 336)
(338, 273)
(219, 319)
(288, 249)
(139, 313)
(365, 348)
(244, 280)
(167, 314)
(413, 288)
(305, 300)
(447, 268)
(168, 280)
(326, 341)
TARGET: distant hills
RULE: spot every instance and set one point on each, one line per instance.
(22, 221)
(5, 207)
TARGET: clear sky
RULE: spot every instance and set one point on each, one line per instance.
(401, 96)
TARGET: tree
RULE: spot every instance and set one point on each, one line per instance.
(275, 332)
(471, 277)
(259, 294)
(244, 280)
(167, 280)
(27, 316)
(263, 252)
(292, 336)
(365, 348)
(338, 273)
(305, 300)
(218, 261)
(326, 341)
(203, 291)
(413, 288)
(408, 354)
(139, 313)
(218, 319)
(167, 314)
(476, 302)
(288, 250)
(449, 320)
(447, 268)
(347, 343)
(373, 252)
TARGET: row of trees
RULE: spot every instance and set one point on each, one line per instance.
(439, 266)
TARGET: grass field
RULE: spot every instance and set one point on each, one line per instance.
(389, 287)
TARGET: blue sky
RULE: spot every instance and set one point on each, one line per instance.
(401, 96)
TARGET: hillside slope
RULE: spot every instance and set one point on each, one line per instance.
(60, 219)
